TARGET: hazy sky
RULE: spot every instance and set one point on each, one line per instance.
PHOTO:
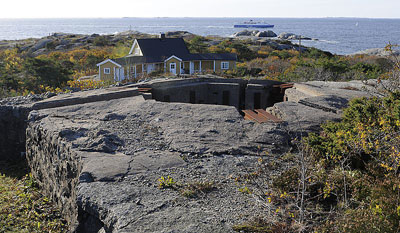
(199, 8)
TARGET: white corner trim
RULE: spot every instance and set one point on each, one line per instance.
(173, 56)
(109, 60)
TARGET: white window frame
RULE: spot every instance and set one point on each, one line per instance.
(225, 65)
(107, 70)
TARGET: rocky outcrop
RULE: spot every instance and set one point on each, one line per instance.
(292, 36)
(255, 33)
(246, 33)
(41, 44)
(378, 52)
(310, 104)
(266, 34)
(178, 34)
(113, 152)
(99, 154)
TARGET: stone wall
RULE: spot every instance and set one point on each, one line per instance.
(12, 131)
(55, 167)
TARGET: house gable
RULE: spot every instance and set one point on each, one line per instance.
(107, 69)
(173, 57)
(109, 60)
(135, 49)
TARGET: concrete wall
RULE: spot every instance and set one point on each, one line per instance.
(12, 132)
(202, 91)
(182, 93)
(243, 94)
(224, 94)
(256, 96)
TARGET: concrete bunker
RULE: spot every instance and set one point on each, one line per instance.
(242, 94)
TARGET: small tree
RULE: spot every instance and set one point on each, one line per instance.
(47, 72)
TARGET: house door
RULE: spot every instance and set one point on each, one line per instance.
(172, 67)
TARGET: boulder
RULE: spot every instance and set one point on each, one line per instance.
(266, 34)
(60, 47)
(292, 36)
(246, 33)
(61, 34)
(298, 37)
(40, 52)
(41, 44)
(178, 34)
(285, 35)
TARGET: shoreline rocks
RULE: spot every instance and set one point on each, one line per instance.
(255, 33)
(292, 36)
(377, 52)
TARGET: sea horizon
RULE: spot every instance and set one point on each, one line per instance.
(339, 35)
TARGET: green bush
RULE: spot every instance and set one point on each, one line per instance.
(45, 71)
(100, 41)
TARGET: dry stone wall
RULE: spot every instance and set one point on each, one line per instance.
(56, 168)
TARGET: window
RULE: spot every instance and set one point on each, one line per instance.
(172, 66)
(107, 70)
(137, 51)
(224, 65)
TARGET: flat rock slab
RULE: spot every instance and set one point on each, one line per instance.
(119, 145)
(346, 90)
(86, 97)
(125, 145)
(312, 103)
(136, 204)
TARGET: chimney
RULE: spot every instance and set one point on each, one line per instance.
(162, 36)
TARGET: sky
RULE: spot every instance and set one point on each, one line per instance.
(199, 8)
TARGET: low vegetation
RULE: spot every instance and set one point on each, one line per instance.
(345, 178)
(23, 208)
(189, 190)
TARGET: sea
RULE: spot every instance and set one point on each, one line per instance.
(336, 35)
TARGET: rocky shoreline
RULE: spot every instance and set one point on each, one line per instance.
(67, 41)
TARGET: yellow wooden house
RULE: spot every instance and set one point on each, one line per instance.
(169, 55)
